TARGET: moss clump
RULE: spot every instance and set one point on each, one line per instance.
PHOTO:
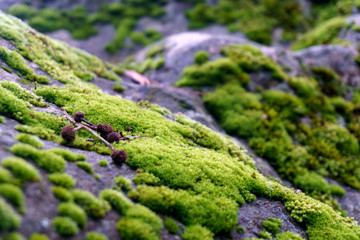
(117, 200)
(87, 167)
(21, 169)
(201, 57)
(171, 225)
(240, 229)
(65, 226)
(15, 236)
(14, 196)
(147, 179)
(93, 207)
(62, 194)
(67, 155)
(29, 139)
(95, 236)
(62, 180)
(273, 225)
(16, 61)
(103, 163)
(74, 212)
(22, 11)
(6, 176)
(10, 219)
(2, 120)
(197, 232)
(288, 236)
(118, 88)
(7, 69)
(329, 82)
(37, 236)
(44, 159)
(123, 183)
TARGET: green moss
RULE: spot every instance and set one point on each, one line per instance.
(196, 232)
(171, 225)
(329, 82)
(62, 194)
(7, 69)
(67, 155)
(74, 212)
(21, 169)
(62, 180)
(325, 33)
(16, 61)
(13, 195)
(117, 200)
(44, 159)
(87, 167)
(265, 235)
(240, 229)
(6, 176)
(15, 236)
(273, 225)
(146, 178)
(288, 236)
(118, 88)
(201, 57)
(10, 219)
(135, 229)
(158, 63)
(93, 207)
(147, 216)
(123, 183)
(29, 139)
(103, 163)
(22, 11)
(97, 176)
(95, 236)
(2, 120)
(65, 226)
(155, 50)
(37, 236)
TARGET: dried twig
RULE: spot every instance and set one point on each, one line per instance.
(80, 125)
(137, 77)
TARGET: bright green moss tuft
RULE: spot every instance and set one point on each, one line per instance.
(329, 82)
(16, 61)
(65, 226)
(21, 169)
(2, 120)
(9, 219)
(288, 236)
(95, 236)
(103, 163)
(240, 229)
(13, 195)
(15, 236)
(147, 179)
(272, 225)
(22, 11)
(29, 139)
(197, 232)
(201, 57)
(147, 216)
(67, 155)
(62, 180)
(171, 225)
(118, 88)
(123, 183)
(93, 207)
(6, 176)
(130, 229)
(117, 200)
(74, 212)
(265, 235)
(44, 159)
(87, 167)
(62, 194)
(37, 236)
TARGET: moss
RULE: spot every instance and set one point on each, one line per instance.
(337, 190)
(123, 183)
(131, 229)
(62, 194)
(196, 232)
(103, 163)
(97, 176)
(329, 82)
(272, 225)
(21, 169)
(67, 155)
(117, 200)
(201, 57)
(10, 219)
(7, 69)
(74, 212)
(16, 61)
(288, 236)
(171, 225)
(15, 236)
(240, 229)
(37, 236)
(29, 139)
(265, 235)
(87, 167)
(154, 50)
(6, 176)
(44, 159)
(146, 178)
(65, 226)
(2, 120)
(95, 236)
(62, 180)
(22, 11)
(118, 88)
(13, 195)
(93, 207)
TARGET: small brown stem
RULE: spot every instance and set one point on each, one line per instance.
(80, 125)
